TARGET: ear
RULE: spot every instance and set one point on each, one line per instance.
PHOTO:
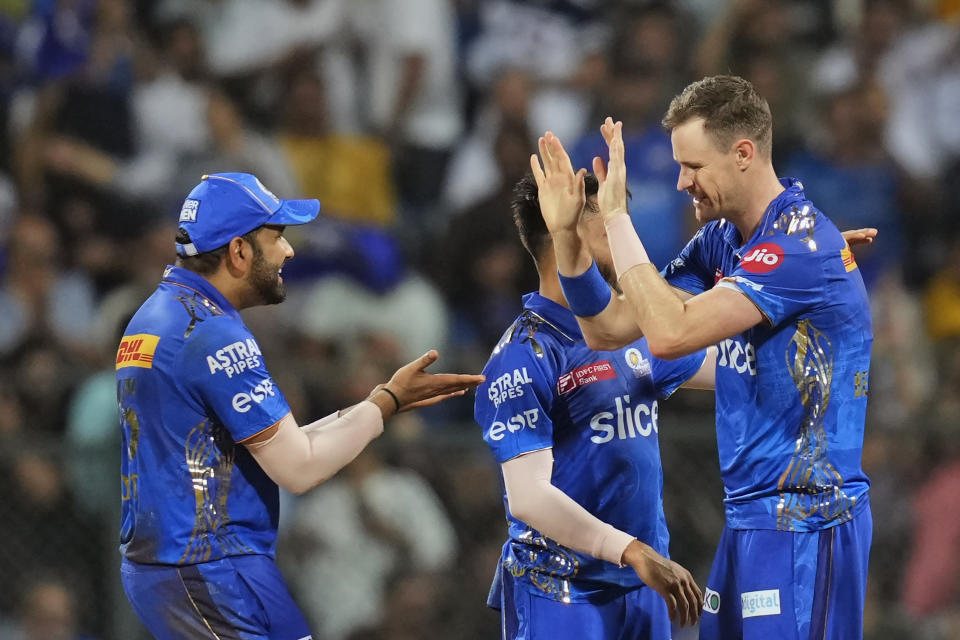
(238, 255)
(744, 151)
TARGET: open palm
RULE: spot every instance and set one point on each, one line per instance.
(560, 189)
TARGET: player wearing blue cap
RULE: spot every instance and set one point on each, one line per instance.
(772, 282)
(207, 434)
(576, 434)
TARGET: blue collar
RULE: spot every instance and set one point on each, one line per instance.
(792, 194)
(557, 315)
(181, 277)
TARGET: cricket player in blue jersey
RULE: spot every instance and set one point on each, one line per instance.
(207, 434)
(576, 434)
(772, 282)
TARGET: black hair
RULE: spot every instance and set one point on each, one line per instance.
(208, 262)
(526, 212)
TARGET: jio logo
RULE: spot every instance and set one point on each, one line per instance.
(763, 258)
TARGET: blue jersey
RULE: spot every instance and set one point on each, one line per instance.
(597, 410)
(191, 383)
(791, 391)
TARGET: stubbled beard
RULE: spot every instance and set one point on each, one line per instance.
(265, 280)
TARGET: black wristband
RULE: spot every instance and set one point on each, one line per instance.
(392, 395)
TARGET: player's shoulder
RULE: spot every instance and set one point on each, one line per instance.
(800, 227)
(529, 339)
(218, 343)
(215, 330)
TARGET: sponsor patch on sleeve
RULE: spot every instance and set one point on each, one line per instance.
(587, 374)
(137, 351)
(235, 358)
(510, 385)
(527, 419)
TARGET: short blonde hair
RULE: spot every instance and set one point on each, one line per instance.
(730, 107)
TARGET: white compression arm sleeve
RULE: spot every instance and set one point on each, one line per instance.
(553, 513)
(300, 459)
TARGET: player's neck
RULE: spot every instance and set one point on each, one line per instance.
(767, 188)
(550, 282)
(231, 288)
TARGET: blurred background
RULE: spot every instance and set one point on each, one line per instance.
(410, 120)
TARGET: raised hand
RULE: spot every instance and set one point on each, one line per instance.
(674, 583)
(560, 189)
(414, 387)
(612, 196)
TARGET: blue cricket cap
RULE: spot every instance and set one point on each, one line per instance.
(228, 205)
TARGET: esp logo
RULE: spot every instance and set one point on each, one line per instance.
(242, 401)
(528, 418)
(763, 258)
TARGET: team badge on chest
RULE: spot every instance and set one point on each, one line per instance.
(637, 363)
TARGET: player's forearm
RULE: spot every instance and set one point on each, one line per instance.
(532, 498)
(656, 308)
(300, 459)
(612, 328)
(572, 257)
(658, 311)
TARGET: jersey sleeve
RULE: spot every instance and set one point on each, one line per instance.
(689, 271)
(783, 277)
(513, 404)
(222, 366)
(669, 375)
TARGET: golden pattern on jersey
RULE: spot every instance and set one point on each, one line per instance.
(810, 484)
(549, 567)
(798, 222)
(209, 456)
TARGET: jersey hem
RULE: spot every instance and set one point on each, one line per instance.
(766, 521)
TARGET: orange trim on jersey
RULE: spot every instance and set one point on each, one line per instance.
(276, 424)
(849, 262)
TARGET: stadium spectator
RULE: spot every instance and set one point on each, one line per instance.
(49, 610)
(358, 533)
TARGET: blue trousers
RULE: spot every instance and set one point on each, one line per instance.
(789, 585)
(637, 614)
(239, 597)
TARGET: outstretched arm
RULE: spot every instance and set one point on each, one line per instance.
(619, 323)
(532, 498)
(299, 459)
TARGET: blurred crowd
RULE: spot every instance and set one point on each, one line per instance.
(410, 120)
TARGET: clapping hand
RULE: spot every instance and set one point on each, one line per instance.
(612, 196)
(560, 189)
